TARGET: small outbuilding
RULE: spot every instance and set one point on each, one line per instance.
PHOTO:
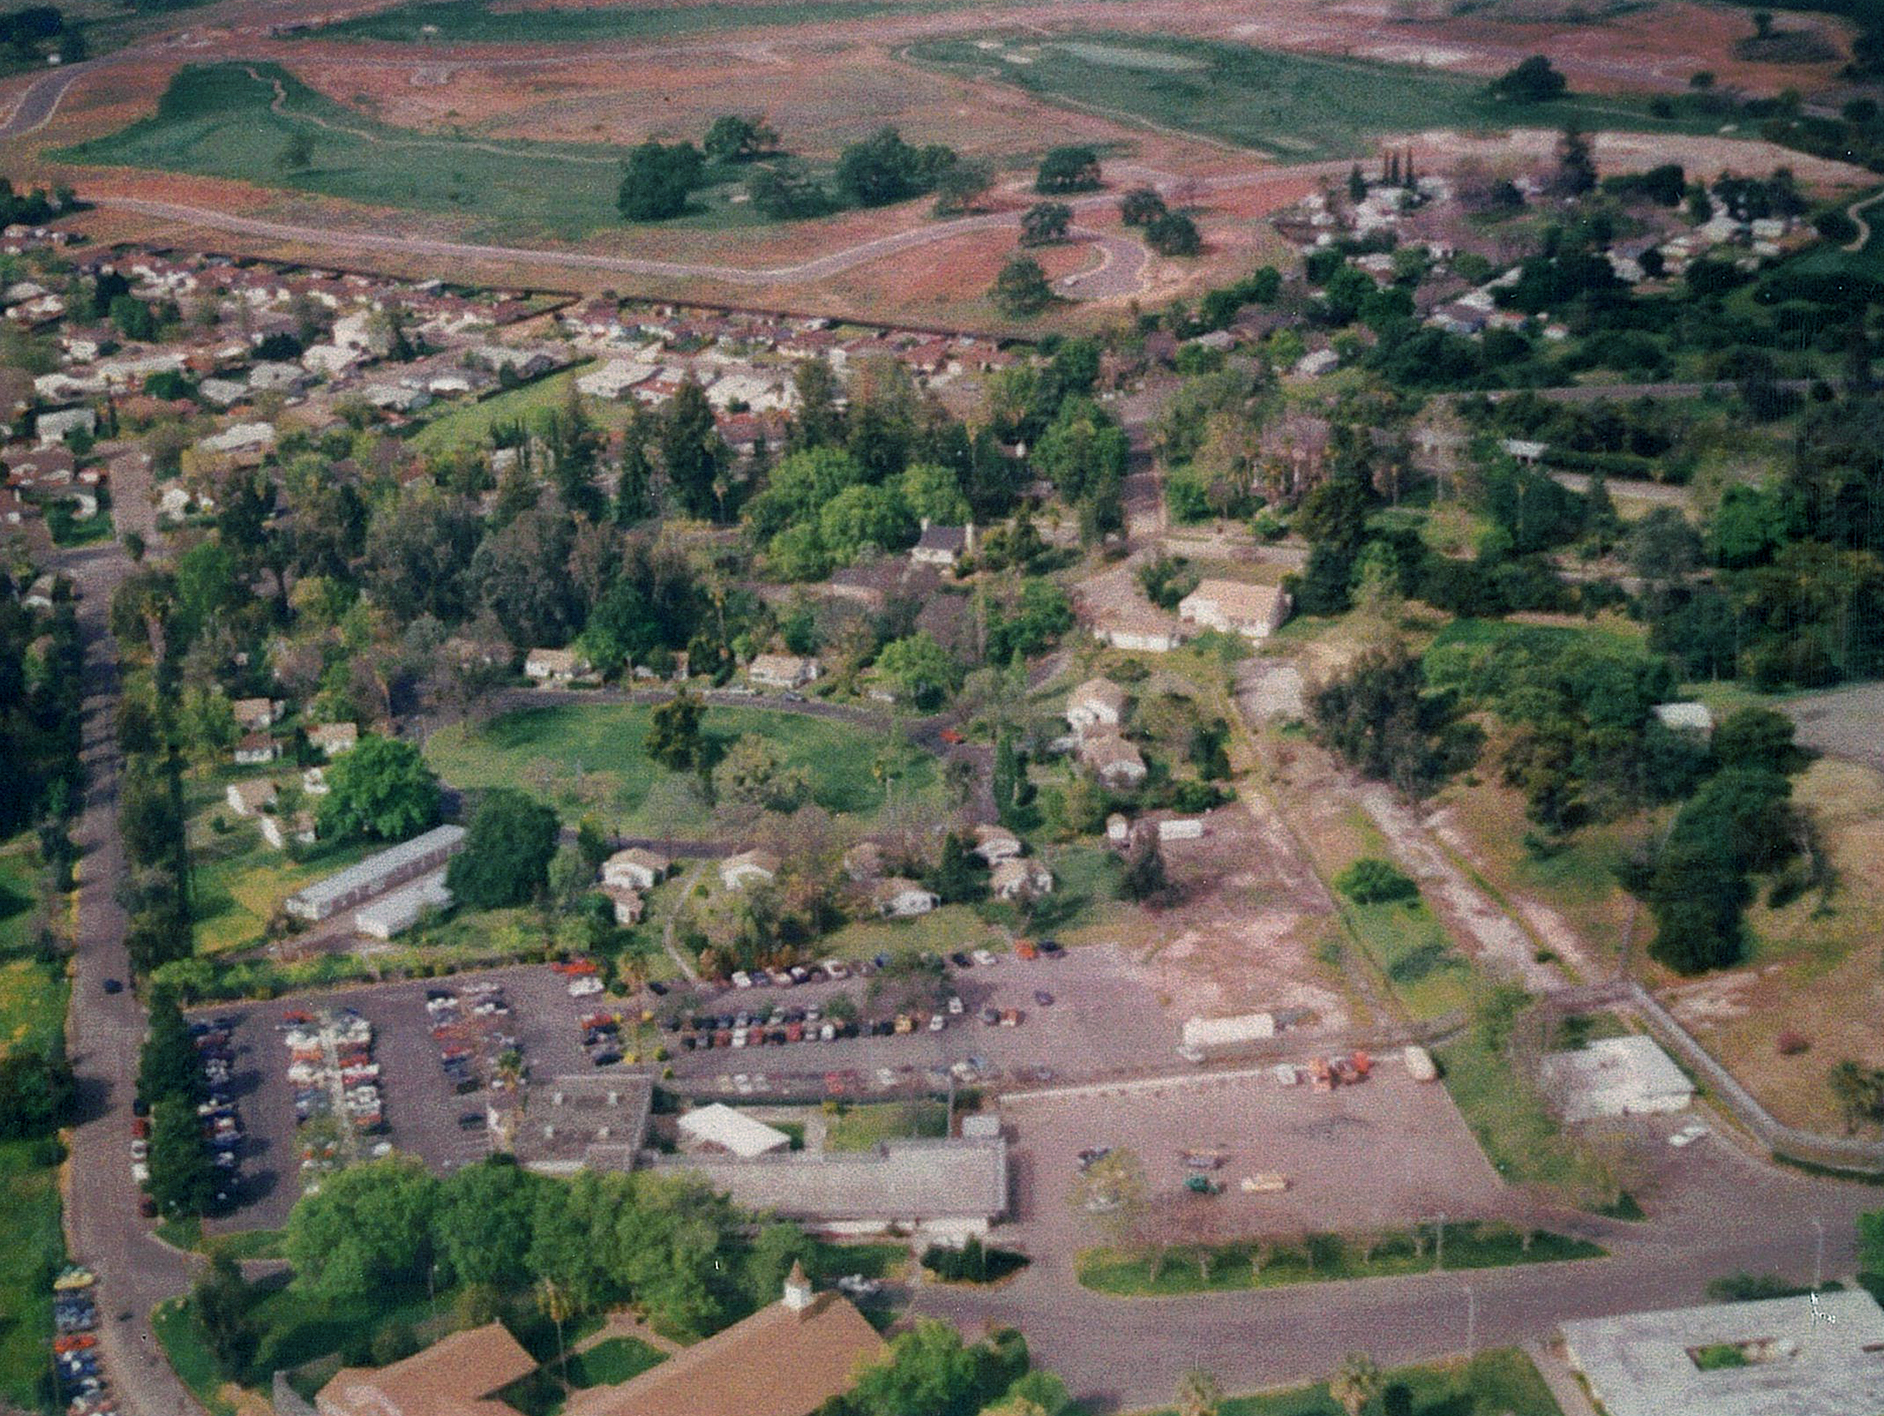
(720, 1129)
(1616, 1076)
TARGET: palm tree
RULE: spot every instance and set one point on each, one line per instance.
(1198, 1394)
(1355, 1383)
(553, 1298)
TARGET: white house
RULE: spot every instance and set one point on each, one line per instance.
(334, 738)
(257, 748)
(52, 427)
(899, 898)
(254, 714)
(555, 666)
(248, 798)
(628, 903)
(1096, 703)
(1685, 717)
(636, 869)
(1113, 760)
(995, 844)
(943, 546)
(1138, 628)
(1230, 606)
(784, 671)
(748, 868)
(1026, 879)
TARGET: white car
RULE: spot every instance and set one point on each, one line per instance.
(140, 1172)
(742, 979)
(985, 958)
(938, 1021)
(836, 968)
(585, 987)
(955, 1004)
(739, 1037)
(1688, 1134)
(140, 1150)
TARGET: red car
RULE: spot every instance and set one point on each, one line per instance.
(952, 737)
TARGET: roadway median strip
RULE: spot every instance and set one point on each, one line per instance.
(1155, 1271)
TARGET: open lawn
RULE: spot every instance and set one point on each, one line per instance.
(612, 1362)
(861, 1127)
(239, 121)
(241, 880)
(484, 22)
(18, 881)
(594, 758)
(469, 424)
(1519, 1136)
(1292, 106)
(1501, 1382)
(1411, 948)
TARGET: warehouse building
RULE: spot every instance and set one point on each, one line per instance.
(396, 913)
(1820, 1354)
(376, 874)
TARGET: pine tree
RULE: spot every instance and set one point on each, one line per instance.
(168, 1065)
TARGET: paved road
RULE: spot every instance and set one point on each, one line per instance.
(103, 1032)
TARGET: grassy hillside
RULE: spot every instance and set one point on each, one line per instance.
(482, 22)
(1293, 106)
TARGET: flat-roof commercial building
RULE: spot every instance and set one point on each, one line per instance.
(944, 1188)
(396, 913)
(597, 1122)
(376, 874)
(1616, 1076)
(1817, 1355)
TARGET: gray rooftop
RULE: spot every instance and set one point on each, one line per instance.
(901, 1180)
(1806, 1356)
(597, 1120)
(383, 865)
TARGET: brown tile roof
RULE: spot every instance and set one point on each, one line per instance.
(453, 1377)
(777, 1362)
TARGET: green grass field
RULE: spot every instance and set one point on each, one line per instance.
(238, 121)
(1411, 947)
(1501, 1382)
(482, 22)
(613, 1361)
(862, 1127)
(1292, 106)
(1469, 1245)
(594, 758)
(241, 880)
(1519, 1136)
(225, 120)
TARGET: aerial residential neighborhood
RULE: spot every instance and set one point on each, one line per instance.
(877, 709)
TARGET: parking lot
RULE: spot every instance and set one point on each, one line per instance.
(1380, 1153)
(1102, 1020)
(421, 1106)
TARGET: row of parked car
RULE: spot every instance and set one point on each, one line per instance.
(471, 1027)
(222, 1124)
(77, 1364)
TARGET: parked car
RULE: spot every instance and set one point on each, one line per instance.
(113, 985)
(961, 960)
(985, 958)
(1043, 998)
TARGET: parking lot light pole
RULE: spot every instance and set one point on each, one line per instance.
(1471, 1322)
(1818, 1254)
(1439, 1244)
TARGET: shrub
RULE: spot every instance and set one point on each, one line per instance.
(972, 1263)
(1791, 1043)
(1372, 881)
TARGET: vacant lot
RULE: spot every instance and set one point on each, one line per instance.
(595, 758)
(1294, 107)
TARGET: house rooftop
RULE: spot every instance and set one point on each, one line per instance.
(455, 1376)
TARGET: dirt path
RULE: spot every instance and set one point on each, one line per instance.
(1856, 212)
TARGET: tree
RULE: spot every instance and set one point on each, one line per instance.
(1144, 879)
(297, 154)
(883, 168)
(1068, 169)
(733, 138)
(920, 669)
(381, 790)
(507, 851)
(1531, 81)
(1859, 1092)
(182, 1176)
(1199, 1394)
(1173, 234)
(1114, 1189)
(482, 1221)
(929, 1371)
(674, 732)
(223, 1302)
(934, 494)
(751, 775)
(1371, 881)
(1576, 168)
(861, 519)
(1385, 723)
(368, 1227)
(1021, 289)
(785, 190)
(168, 1065)
(1141, 206)
(658, 180)
(1045, 223)
(1356, 1382)
(962, 186)
(1871, 1242)
(692, 452)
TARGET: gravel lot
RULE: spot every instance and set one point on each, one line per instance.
(1383, 1152)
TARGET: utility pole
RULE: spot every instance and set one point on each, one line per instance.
(1471, 1322)
(1818, 1254)
(1439, 1244)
